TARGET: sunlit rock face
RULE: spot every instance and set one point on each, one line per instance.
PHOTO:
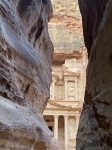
(25, 74)
(95, 127)
(65, 28)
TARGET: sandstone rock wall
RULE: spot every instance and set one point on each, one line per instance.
(95, 127)
(65, 27)
(25, 74)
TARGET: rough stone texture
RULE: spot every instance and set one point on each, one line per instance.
(65, 27)
(92, 13)
(95, 127)
(22, 129)
(25, 74)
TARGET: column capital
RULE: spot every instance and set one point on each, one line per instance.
(77, 117)
(66, 116)
(56, 116)
(66, 80)
(76, 80)
(54, 80)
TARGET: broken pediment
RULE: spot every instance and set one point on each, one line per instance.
(68, 71)
(63, 104)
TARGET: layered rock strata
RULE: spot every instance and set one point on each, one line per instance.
(25, 74)
(95, 127)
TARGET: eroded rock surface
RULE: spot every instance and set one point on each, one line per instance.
(22, 129)
(65, 29)
(95, 127)
(92, 14)
(25, 74)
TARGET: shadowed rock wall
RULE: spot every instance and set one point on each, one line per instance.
(25, 74)
(95, 127)
(92, 14)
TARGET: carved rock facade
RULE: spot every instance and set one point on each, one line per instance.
(25, 74)
(68, 73)
(95, 127)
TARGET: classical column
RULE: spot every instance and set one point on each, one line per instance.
(56, 127)
(66, 131)
(77, 122)
(66, 91)
(76, 90)
(53, 89)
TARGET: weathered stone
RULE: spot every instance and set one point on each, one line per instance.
(25, 74)
(95, 127)
(22, 129)
(65, 29)
(92, 13)
(68, 73)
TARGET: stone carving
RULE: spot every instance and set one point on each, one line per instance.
(72, 136)
(71, 91)
(95, 126)
(65, 30)
(25, 75)
(60, 95)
